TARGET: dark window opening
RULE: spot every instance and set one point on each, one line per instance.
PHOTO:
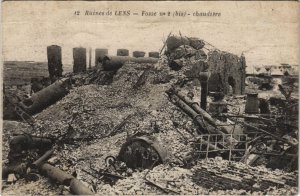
(231, 83)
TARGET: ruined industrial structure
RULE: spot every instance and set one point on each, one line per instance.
(228, 72)
(54, 62)
(79, 56)
(184, 120)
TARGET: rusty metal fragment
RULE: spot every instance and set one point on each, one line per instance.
(142, 152)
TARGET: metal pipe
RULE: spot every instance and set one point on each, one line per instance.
(56, 174)
(79, 56)
(54, 62)
(76, 186)
(42, 159)
(186, 108)
(199, 110)
(204, 89)
(46, 97)
(115, 62)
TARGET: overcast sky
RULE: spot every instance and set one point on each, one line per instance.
(267, 32)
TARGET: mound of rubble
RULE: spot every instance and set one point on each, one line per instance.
(93, 114)
(136, 96)
(139, 129)
(92, 122)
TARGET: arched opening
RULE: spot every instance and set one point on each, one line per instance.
(231, 83)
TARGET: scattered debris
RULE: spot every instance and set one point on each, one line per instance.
(142, 152)
(139, 125)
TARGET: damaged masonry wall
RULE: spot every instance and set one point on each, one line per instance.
(228, 72)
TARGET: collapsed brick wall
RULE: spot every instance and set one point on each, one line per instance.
(226, 70)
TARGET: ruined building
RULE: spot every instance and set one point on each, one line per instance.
(228, 72)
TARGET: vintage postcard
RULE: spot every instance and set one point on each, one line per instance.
(150, 97)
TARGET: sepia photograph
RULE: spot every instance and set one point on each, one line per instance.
(150, 98)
